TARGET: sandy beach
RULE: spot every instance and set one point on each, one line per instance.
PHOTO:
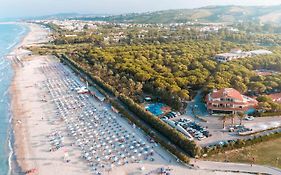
(35, 122)
(30, 128)
(20, 125)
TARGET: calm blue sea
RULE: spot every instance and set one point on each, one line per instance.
(10, 36)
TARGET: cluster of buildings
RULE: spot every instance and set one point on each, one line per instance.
(237, 54)
(78, 25)
(229, 100)
(72, 25)
(216, 28)
(114, 37)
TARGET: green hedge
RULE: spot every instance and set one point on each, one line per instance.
(267, 114)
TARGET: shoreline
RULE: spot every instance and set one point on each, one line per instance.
(16, 136)
(13, 166)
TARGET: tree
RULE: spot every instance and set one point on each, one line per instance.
(264, 98)
(184, 94)
(139, 87)
(141, 76)
(232, 116)
(264, 106)
(241, 116)
(257, 87)
(224, 119)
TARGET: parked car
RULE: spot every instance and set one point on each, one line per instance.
(249, 118)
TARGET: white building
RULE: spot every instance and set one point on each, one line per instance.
(237, 54)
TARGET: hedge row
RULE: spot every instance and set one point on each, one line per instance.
(189, 147)
(240, 144)
(267, 114)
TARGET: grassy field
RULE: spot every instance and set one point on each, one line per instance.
(265, 153)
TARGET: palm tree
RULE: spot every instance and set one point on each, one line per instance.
(241, 116)
(232, 116)
(223, 119)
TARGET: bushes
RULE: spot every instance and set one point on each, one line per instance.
(267, 114)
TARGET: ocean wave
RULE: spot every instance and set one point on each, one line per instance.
(12, 45)
(9, 39)
(5, 94)
(11, 151)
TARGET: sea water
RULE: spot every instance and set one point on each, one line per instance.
(10, 36)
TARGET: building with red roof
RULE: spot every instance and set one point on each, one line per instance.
(230, 101)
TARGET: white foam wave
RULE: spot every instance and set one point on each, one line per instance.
(10, 156)
(11, 151)
(12, 45)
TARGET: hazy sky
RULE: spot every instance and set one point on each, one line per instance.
(20, 8)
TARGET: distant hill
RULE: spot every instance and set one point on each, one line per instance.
(265, 14)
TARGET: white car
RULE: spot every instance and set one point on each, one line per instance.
(249, 118)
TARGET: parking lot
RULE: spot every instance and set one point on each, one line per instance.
(214, 125)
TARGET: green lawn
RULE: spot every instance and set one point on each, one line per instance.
(265, 153)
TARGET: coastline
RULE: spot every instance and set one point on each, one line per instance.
(30, 104)
(12, 165)
(17, 136)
